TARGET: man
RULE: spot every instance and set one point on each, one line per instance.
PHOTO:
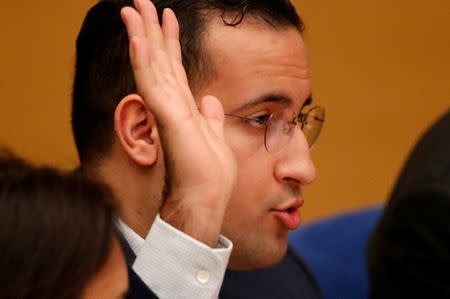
(206, 149)
(409, 252)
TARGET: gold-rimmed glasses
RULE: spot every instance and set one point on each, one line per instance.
(279, 127)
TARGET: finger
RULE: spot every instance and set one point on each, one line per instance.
(171, 31)
(142, 70)
(212, 111)
(133, 22)
(158, 55)
(152, 68)
(136, 35)
(149, 15)
(138, 48)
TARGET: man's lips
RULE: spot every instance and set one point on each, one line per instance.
(288, 214)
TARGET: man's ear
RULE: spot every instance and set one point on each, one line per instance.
(136, 128)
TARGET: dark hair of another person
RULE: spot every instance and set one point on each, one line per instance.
(103, 74)
(56, 231)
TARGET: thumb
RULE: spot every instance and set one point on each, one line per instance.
(212, 111)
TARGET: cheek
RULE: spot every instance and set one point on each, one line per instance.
(254, 181)
(242, 143)
(251, 195)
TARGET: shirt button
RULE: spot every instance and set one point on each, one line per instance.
(203, 277)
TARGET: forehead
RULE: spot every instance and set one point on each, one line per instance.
(255, 58)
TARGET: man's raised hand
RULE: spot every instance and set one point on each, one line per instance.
(202, 167)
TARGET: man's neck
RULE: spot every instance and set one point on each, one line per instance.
(137, 192)
(137, 220)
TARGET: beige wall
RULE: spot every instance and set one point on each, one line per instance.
(381, 68)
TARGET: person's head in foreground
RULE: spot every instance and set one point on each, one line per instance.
(251, 56)
(57, 236)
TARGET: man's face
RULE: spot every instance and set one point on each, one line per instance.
(253, 61)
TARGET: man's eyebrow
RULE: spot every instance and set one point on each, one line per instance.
(308, 101)
(265, 98)
(277, 98)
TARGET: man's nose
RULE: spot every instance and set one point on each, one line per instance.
(295, 163)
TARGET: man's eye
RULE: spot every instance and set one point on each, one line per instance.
(260, 120)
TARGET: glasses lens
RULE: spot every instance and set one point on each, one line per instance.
(280, 129)
(313, 123)
(278, 132)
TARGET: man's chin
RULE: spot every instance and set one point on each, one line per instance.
(262, 259)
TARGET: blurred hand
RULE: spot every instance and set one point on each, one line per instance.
(201, 167)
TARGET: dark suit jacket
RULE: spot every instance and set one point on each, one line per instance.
(409, 251)
(137, 289)
(289, 279)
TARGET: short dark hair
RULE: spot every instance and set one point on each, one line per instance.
(103, 74)
(56, 231)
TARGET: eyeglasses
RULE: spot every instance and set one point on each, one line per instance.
(279, 128)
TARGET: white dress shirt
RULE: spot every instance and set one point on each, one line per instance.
(174, 265)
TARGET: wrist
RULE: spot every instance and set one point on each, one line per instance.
(200, 222)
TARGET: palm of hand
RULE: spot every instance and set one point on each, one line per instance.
(202, 167)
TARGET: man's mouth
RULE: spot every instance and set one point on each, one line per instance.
(289, 214)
